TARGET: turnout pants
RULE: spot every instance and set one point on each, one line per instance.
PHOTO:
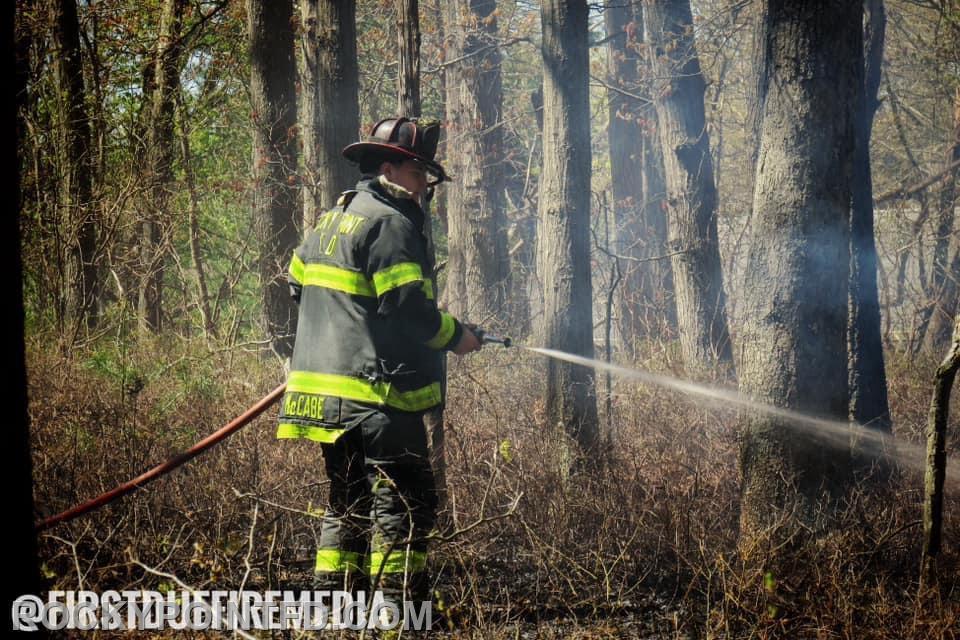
(382, 504)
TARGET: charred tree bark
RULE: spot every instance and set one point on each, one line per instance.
(78, 223)
(867, 374)
(563, 231)
(691, 192)
(477, 267)
(157, 172)
(275, 202)
(796, 289)
(329, 109)
(647, 305)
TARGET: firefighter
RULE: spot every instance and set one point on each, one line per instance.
(367, 362)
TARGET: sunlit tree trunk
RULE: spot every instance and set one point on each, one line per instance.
(563, 231)
(276, 208)
(477, 267)
(329, 108)
(691, 192)
(793, 340)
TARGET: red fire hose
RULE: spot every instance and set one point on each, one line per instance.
(167, 466)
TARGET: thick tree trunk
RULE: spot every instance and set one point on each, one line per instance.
(329, 108)
(477, 267)
(275, 202)
(867, 373)
(158, 168)
(691, 193)
(793, 338)
(23, 568)
(647, 307)
(78, 220)
(563, 231)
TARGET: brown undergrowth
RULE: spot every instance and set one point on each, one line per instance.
(640, 541)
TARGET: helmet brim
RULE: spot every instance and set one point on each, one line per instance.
(357, 151)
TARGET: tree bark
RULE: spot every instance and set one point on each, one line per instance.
(691, 193)
(157, 172)
(944, 306)
(408, 33)
(478, 264)
(23, 568)
(796, 288)
(329, 109)
(936, 469)
(276, 209)
(867, 373)
(647, 307)
(563, 231)
(196, 254)
(78, 218)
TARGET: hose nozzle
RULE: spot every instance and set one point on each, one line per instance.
(495, 339)
(486, 337)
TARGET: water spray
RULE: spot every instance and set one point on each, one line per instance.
(835, 433)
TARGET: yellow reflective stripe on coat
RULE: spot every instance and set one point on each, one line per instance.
(323, 435)
(442, 337)
(329, 277)
(334, 560)
(296, 269)
(379, 393)
(427, 287)
(396, 276)
(398, 562)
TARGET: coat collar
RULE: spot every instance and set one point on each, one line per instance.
(395, 196)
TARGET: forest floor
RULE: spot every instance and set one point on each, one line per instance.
(641, 543)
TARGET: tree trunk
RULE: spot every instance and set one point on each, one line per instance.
(408, 33)
(275, 201)
(329, 107)
(867, 374)
(196, 255)
(795, 295)
(563, 231)
(936, 469)
(23, 568)
(691, 193)
(477, 267)
(78, 223)
(647, 307)
(155, 227)
(944, 306)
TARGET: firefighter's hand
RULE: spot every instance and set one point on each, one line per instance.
(468, 342)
